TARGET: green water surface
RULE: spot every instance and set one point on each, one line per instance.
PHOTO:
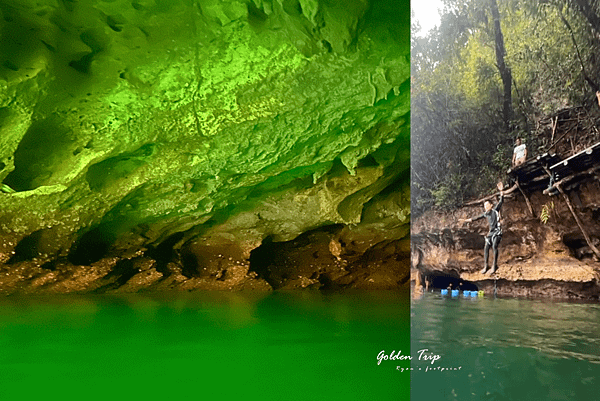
(505, 349)
(280, 346)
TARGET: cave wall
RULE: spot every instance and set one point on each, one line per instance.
(145, 128)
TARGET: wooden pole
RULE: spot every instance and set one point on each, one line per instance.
(557, 141)
(590, 171)
(507, 192)
(578, 221)
(591, 120)
(526, 200)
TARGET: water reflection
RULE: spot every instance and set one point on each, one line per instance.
(276, 343)
(507, 346)
(555, 328)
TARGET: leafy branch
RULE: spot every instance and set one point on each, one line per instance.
(545, 213)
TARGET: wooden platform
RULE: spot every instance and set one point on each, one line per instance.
(534, 174)
(579, 162)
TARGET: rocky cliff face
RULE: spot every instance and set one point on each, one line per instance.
(155, 144)
(549, 259)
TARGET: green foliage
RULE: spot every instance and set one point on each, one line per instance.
(545, 213)
(448, 193)
(457, 94)
(502, 157)
(6, 189)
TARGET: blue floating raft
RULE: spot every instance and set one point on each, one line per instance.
(466, 293)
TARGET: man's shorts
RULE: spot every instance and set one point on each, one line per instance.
(494, 237)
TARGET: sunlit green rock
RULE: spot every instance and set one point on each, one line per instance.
(130, 127)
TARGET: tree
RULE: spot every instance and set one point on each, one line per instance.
(505, 72)
(488, 64)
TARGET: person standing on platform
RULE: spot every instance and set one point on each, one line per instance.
(519, 154)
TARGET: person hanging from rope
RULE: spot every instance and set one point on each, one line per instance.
(493, 237)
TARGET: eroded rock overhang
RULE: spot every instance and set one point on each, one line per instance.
(143, 136)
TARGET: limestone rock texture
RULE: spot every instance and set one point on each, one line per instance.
(537, 259)
(203, 144)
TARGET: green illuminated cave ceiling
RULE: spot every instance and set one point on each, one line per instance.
(127, 125)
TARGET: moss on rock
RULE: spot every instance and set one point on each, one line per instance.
(123, 124)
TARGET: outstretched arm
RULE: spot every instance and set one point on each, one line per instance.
(481, 216)
(500, 187)
(500, 202)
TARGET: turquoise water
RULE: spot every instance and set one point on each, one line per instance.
(506, 349)
(279, 346)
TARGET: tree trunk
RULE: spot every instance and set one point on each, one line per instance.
(505, 72)
(590, 81)
(588, 11)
